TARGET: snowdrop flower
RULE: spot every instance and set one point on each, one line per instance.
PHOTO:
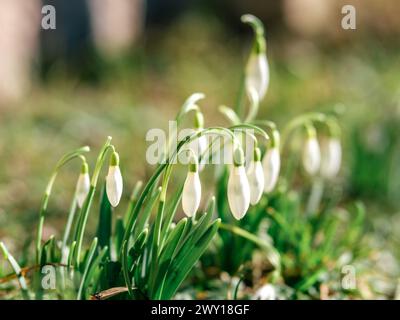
(271, 166)
(255, 174)
(114, 183)
(191, 194)
(257, 74)
(83, 184)
(238, 187)
(311, 155)
(331, 157)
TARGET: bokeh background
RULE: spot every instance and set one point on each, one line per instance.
(121, 67)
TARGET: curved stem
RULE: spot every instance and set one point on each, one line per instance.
(84, 212)
(307, 118)
(275, 135)
(254, 105)
(45, 200)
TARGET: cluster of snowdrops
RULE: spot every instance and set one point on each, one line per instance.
(145, 253)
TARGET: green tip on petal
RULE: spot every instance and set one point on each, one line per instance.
(257, 154)
(84, 168)
(260, 45)
(193, 165)
(238, 157)
(310, 131)
(114, 159)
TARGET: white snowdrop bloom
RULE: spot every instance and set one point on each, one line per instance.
(238, 188)
(255, 176)
(331, 158)
(191, 195)
(271, 166)
(83, 185)
(266, 292)
(114, 184)
(311, 156)
(257, 74)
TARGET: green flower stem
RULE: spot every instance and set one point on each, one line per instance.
(45, 200)
(274, 133)
(254, 105)
(306, 119)
(68, 227)
(17, 269)
(230, 114)
(247, 126)
(260, 45)
(188, 106)
(84, 212)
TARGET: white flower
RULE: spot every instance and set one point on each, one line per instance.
(82, 186)
(256, 181)
(191, 194)
(266, 292)
(238, 192)
(114, 183)
(257, 74)
(331, 158)
(311, 156)
(271, 165)
(255, 175)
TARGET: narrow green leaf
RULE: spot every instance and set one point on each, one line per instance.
(105, 220)
(87, 264)
(185, 261)
(17, 269)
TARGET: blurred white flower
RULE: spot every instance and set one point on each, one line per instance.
(83, 185)
(331, 157)
(238, 191)
(257, 74)
(266, 292)
(191, 194)
(255, 176)
(271, 166)
(311, 156)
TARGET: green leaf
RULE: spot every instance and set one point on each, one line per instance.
(105, 221)
(230, 114)
(185, 261)
(167, 255)
(93, 269)
(170, 213)
(89, 259)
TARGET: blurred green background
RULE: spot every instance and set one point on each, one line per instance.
(76, 85)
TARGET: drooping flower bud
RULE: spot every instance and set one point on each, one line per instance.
(311, 155)
(238, 187)
(191, 195)
(271, 166)
(257, 70)
(331, 157)
(114, 184)
(257, 73)
(83, 184)
(256, 178)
